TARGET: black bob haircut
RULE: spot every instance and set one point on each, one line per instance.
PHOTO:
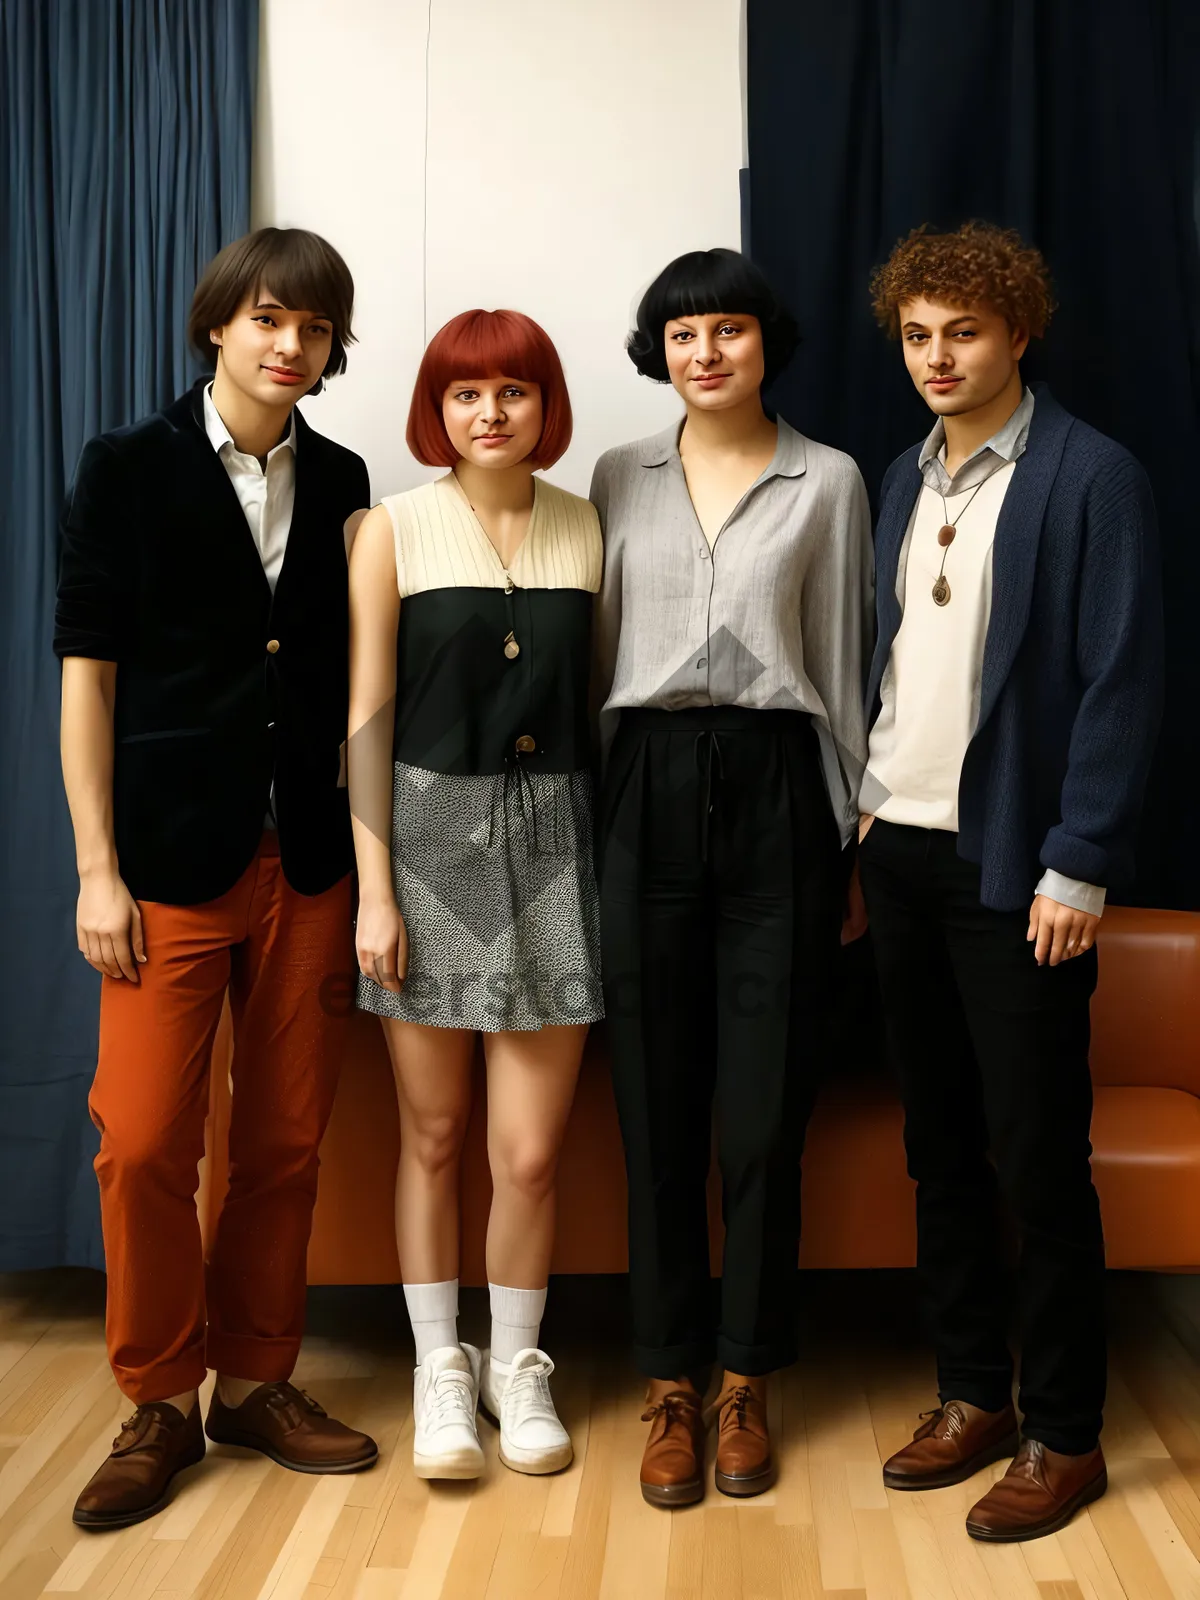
(706, 281)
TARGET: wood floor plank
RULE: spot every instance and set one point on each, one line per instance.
(800, 1562)
(50, 1476)
(884, 1574)
(722, 1554)
(637, 1543)
(435, 1546)
(1046, 1560)
(760, 1549)
(27, 1579)
(301, 1550)
(474, 1555)
(685, 1566)
(583, 1571)
(920, 1551)
(217, 1527)
(1140, 1575)
(1175, 1561)
(249, 1554)
(1090, 1563)
(793, 1492)
(573, 1392)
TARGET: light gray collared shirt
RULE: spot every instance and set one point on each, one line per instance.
(1006, 444)
(777, 614)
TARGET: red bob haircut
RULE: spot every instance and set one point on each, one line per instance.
(488, 344)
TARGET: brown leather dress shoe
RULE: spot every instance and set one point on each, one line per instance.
(951, 1446)
(284, 1423)
(673, 1461)
(134, 1483)
(745, 1465)
(1039, 1494)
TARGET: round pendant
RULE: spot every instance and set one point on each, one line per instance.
(512, 649)
(946, 535)
(941, 592)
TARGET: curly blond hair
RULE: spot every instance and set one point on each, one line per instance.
(977, 264)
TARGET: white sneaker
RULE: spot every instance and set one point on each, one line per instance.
(517, 1399)
(445, 1392)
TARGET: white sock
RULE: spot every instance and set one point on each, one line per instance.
(433, 1312)
(516, 1320)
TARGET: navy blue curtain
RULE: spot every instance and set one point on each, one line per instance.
(125, 165)
(1075, 121)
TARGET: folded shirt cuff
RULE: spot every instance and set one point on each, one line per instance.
(1086, 897)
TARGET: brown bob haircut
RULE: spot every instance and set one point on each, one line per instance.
(488, 344)
(978, 264)
(303, 272)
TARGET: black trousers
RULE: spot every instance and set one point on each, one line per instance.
(992, 1052)
(721, 890)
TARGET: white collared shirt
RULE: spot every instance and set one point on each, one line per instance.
(267, 497)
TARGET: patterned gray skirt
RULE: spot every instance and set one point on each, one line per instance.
(495, 881)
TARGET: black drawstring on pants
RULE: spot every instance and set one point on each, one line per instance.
(708, 750)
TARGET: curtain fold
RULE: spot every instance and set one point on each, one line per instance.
(125, 166)
(1075, 121)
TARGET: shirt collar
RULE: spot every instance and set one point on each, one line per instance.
(1007, 442)
(789, 461)
(219, 435)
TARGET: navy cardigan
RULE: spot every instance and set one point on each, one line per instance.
(1073, 661)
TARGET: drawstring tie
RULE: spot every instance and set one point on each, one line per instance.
(546, 823)
(707, 750)
(512, 783)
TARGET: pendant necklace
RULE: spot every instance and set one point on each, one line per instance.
(941, 589)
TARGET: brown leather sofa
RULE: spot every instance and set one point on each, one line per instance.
(858, 1201)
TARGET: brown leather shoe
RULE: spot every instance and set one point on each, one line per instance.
(287, 1425)
(951, 1446)
(745, 1465)
(1039, 1494)
(134, 1483)
(673, 1461)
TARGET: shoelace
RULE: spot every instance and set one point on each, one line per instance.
(529, 1389)
(677, 1409)
(136, 1429)
(293, 1402)
(737, 1399)
(946, 1421)
(129, 1427)
(1029, 1462)
(452, 1395)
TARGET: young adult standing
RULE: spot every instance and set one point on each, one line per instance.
(202, 628)
(470, 749)
(1014, 701)
(735, 605)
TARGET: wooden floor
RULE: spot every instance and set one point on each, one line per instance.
(246, 1530)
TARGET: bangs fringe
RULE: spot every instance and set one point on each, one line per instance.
(491, 344)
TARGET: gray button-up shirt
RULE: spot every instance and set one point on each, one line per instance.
(778, 614)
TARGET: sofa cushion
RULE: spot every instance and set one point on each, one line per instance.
(1146, 1163)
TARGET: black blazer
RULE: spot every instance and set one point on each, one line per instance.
(221, 688)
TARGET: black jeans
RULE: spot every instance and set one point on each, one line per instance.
(992, 1052)
(721, 888)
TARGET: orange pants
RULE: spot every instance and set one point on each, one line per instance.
(273, 950)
